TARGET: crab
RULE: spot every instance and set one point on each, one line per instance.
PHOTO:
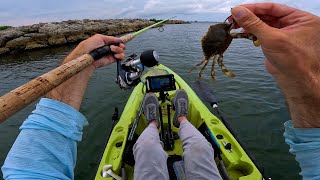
(215, 42)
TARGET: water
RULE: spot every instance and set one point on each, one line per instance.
(252, 101)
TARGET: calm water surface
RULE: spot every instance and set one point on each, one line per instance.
(252, 101)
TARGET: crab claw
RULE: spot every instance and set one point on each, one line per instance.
(228, 73)
(256, 43)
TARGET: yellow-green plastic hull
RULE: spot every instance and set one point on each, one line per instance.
(237, 162)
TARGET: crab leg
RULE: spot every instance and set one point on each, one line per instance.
(246, 36)
(223, 68)
(202, 69)
(212, 67)
(197, 65)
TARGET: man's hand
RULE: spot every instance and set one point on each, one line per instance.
(72, 91)
(98, 40)
(291, 43)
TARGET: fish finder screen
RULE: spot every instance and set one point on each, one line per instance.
(160, 83)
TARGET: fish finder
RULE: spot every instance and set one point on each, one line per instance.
(160, 83)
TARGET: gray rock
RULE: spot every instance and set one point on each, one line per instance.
(30, 29)
(4, 50)
(93, 28)
(36, 45)
(57, 40)
(9, 34)
(56, 33)
(18, 43)
(77, 37)
(37, 36)
(62, 29)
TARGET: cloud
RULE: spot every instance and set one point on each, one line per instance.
(17, 12)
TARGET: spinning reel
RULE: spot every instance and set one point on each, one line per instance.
(130, 71)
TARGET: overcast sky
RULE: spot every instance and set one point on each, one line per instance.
(23, 12)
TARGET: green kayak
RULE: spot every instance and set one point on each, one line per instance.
(118, 157)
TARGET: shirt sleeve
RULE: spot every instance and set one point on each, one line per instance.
(305, 145)
(46, 147)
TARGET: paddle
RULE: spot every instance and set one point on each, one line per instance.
(207, 94)
(115, 119)
(20, 97)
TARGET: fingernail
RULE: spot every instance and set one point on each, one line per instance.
(239, 12)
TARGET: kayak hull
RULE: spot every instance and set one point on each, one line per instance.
(237, 162)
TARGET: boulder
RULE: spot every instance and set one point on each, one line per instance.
(77, 37)
(9, 34)
(94, 28)
(36, 35)
(57, 40)
(56, 33)
(36, 45)
(4, 50)
(30, 29)
(18, 43)
(61, 29)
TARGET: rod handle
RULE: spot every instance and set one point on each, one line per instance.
(102, 51)
(20, 97)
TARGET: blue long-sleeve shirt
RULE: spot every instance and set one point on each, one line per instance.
(305, 145)
(46, 147)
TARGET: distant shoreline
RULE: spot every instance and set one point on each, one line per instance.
(42, 35)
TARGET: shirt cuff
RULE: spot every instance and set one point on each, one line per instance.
(300, 137)
(56, 116)
(305, 145)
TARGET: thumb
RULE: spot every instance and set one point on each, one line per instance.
(249, 21)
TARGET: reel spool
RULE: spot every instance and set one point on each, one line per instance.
(129, 72)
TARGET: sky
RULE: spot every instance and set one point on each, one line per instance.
(26, 12)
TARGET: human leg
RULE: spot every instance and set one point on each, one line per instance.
(150, 158)
(198, 155)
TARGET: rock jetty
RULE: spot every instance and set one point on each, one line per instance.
(43, 35)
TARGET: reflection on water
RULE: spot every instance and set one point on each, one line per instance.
(252, 101)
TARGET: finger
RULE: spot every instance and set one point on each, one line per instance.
(230, 20)
(271, 9)
(109, 60)
(109, 39)
(116, 49)
(119, 56)
(250, 22)
(123, 46)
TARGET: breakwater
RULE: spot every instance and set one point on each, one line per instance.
(43, 35)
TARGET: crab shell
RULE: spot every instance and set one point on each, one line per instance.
(216, 40)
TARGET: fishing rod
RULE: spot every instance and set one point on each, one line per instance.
(136, 121)
(20, 97)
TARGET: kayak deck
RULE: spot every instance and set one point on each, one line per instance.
(237, 162)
